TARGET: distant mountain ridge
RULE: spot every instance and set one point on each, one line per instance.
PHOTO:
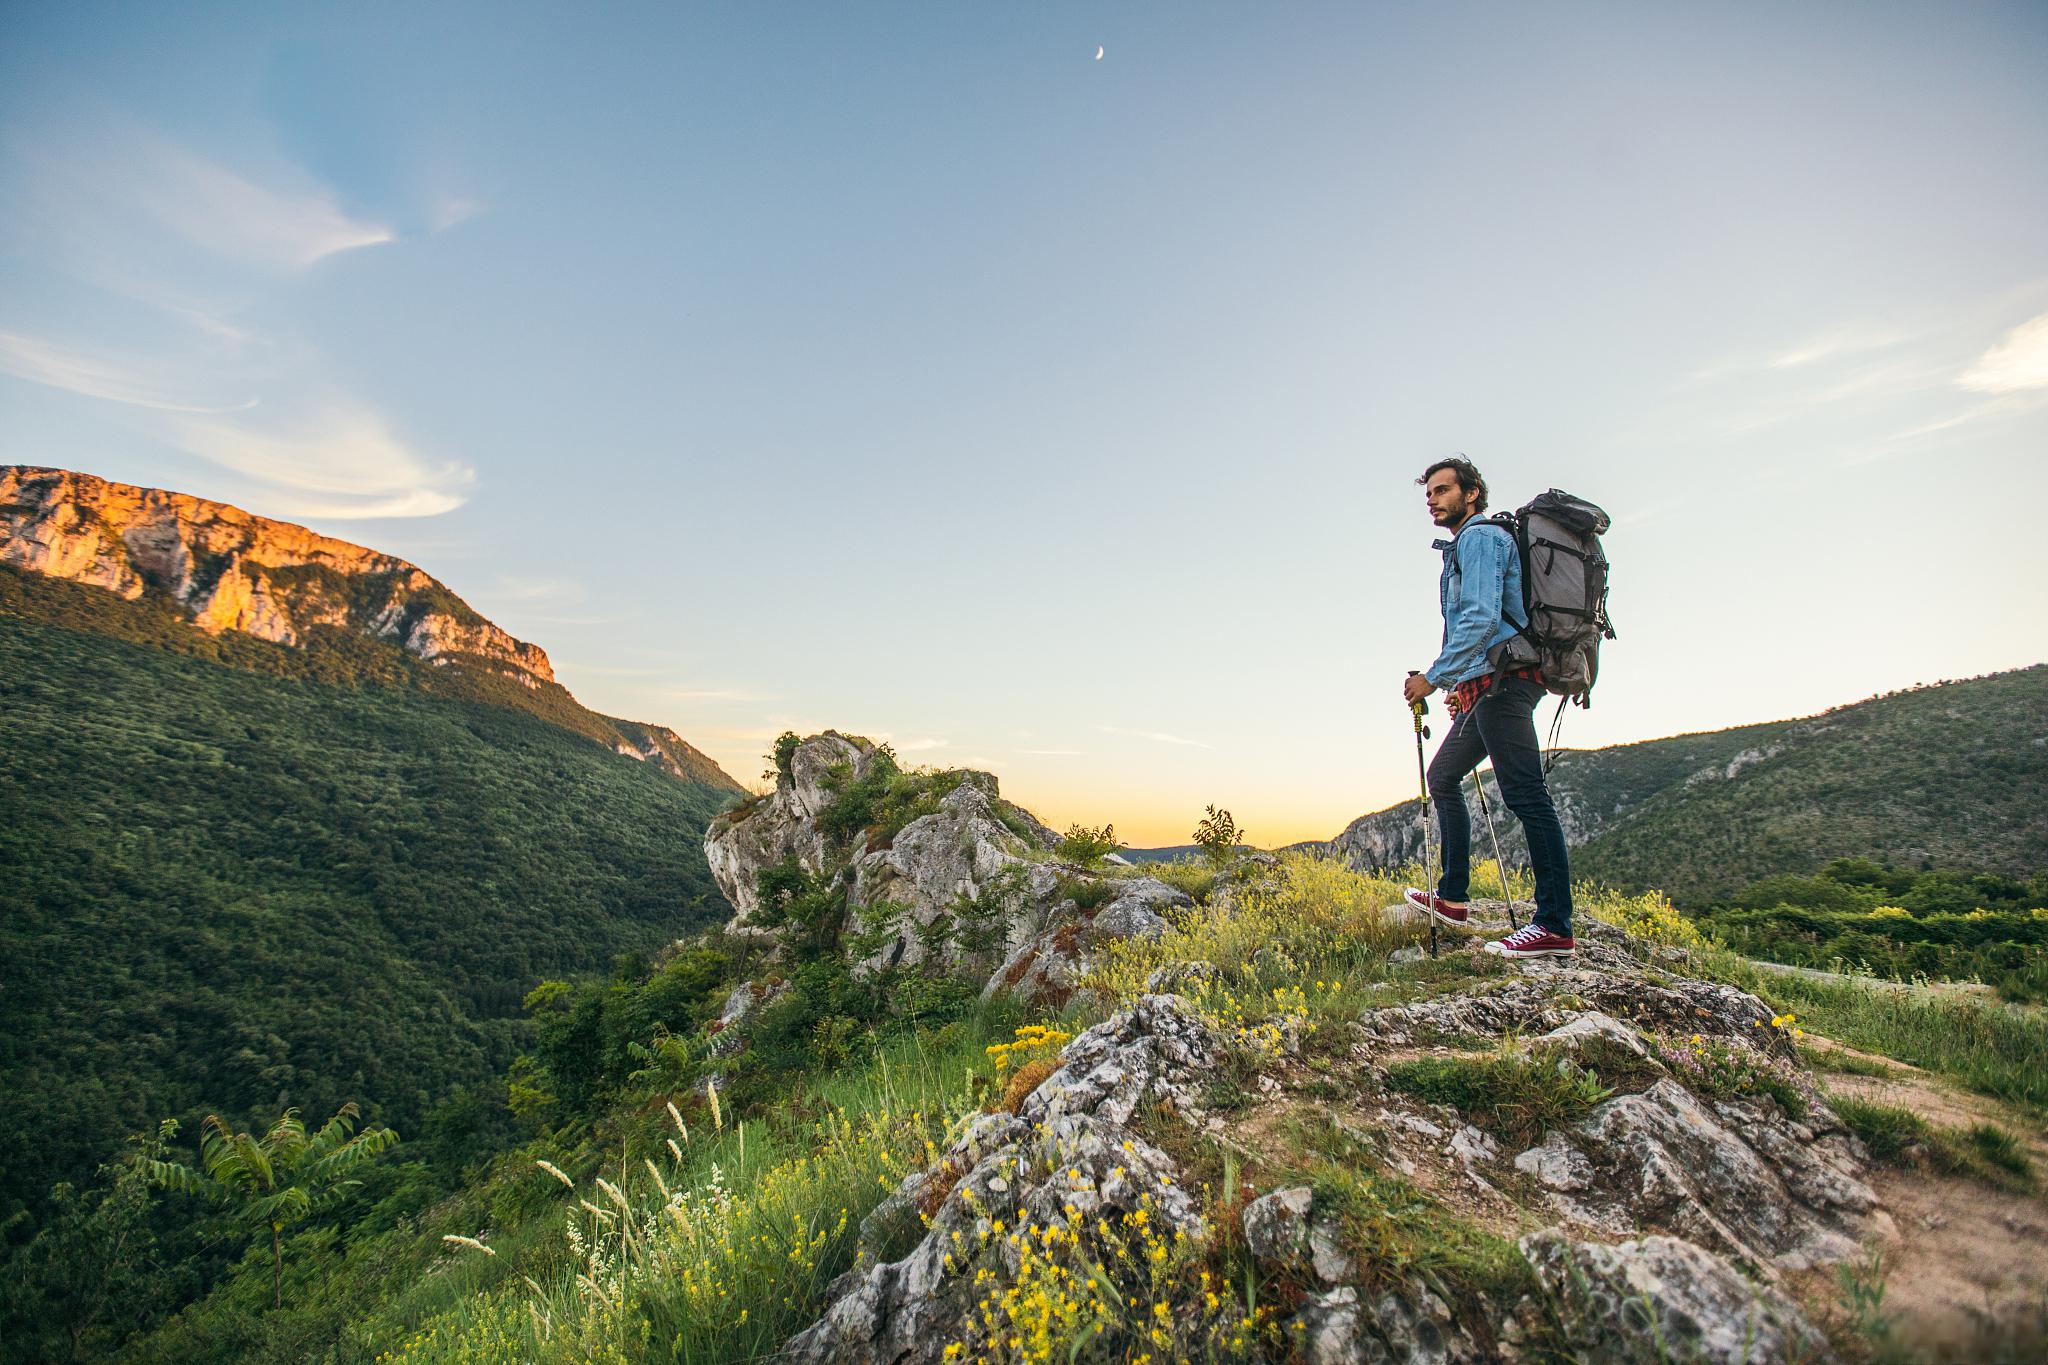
(226, 571)
(1954, 774)
(284, 821)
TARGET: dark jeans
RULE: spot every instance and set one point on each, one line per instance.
(1502, 727)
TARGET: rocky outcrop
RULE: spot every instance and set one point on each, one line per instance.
(668, 751)
(1738, 1177)
(1680, 1201)
(968, 889)
(231, 571)
(1067, 1160)
(762, 833)
(1393, 837)
(1663, 1298)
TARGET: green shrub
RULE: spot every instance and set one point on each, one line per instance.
(2000, 1149)
(1515, 1098)
(1084, 845)
(1013, 820)
(1087, 894)
(1901, 925)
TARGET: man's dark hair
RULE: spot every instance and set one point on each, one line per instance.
(1469, 480)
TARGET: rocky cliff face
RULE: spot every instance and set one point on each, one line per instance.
(230, 570)
(670, 752)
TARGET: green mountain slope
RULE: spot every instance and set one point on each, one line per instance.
(311, 875)
(1948, 776)
(1954, 775)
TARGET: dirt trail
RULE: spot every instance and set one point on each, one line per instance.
(1967, 1276)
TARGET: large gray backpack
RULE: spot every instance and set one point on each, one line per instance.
(1564, 593)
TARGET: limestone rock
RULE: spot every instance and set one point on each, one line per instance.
(742, 1004)
(1047, 965)
(1738, 1178)
(965, 890)
(1177, 977)
(940, 864)
(1403, 1324)
(1280, 1231)
(1538, 1003)
(740, 843)
(1276, 1225)
(1662, 1299)
(1067, 1149)
(1593, 1030)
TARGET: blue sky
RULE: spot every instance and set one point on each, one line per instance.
(908, 369)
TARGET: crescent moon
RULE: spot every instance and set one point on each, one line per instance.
(1098, 54)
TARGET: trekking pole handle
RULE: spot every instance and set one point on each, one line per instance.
(1420, 707)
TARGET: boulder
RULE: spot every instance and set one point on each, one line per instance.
(1663, 1299)
(1047, 965)
(1067, 1159)
(1738, 1177)
(1280, 1231)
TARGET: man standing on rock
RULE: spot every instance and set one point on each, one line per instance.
(1494, 717)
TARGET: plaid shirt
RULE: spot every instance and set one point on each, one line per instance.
(1466, 694)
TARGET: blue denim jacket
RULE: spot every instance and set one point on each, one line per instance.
(1482, 572)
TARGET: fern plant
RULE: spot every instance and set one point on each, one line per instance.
(279, 1179)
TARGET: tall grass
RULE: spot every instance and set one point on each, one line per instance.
(722, 1248)
(1997, 1050)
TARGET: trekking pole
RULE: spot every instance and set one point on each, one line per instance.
(1420, 708)
(1499, 864)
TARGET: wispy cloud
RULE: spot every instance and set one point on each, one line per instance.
(1156, 736)
(117, 173)
(2014, 370)
(1853, 340)
(1055, 753)
(95, 375)
(1834, 344)
(113, 213)
(2017, 364)
(918, 746)
(714, 694)
(337, 461)
(225, 213)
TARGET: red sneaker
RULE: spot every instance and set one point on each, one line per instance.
(1432, 904)
(1530, 941)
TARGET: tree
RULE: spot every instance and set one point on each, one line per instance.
(278, 1179)
(1218, 835)
(93, 1274)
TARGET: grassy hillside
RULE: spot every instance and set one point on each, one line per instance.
(719, 1228)
(1952, 776)
(1948, 776)
(246, 886)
